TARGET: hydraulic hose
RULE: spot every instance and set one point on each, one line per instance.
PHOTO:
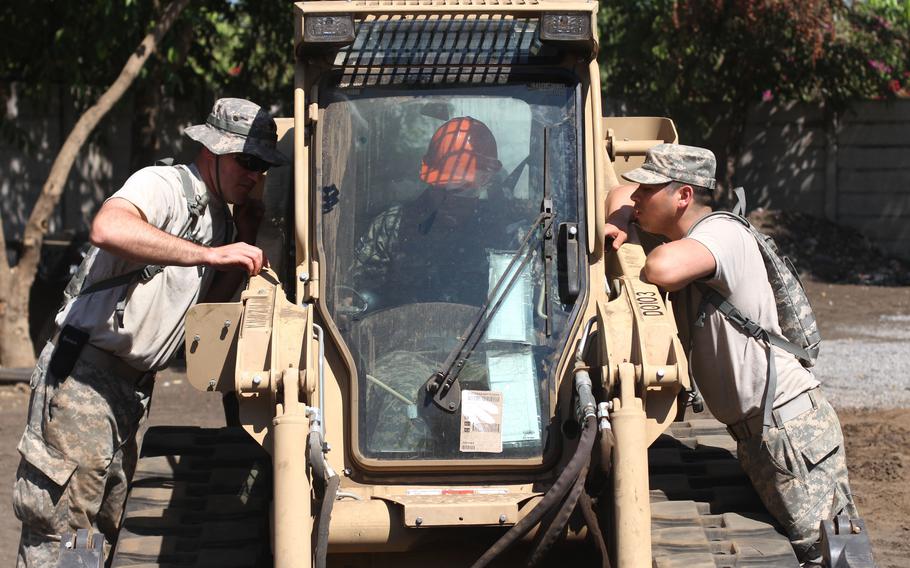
(587, 511)
(325, 518)
(553, 496)
(552, 533)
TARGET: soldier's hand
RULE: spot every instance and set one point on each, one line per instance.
(617, 226)
(237, 256)
(617, 235)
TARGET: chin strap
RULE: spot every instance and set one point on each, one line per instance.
(218, 176)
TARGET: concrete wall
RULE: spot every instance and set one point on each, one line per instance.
(854, 171)
(873, 174)
(31, 134)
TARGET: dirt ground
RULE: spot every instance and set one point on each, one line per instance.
(878, 440)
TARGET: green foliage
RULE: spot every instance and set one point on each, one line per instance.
(237, 47)
(704, 62)
(664, 53)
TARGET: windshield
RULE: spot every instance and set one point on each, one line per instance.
(431, 201)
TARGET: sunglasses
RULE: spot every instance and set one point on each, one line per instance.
(252, 163)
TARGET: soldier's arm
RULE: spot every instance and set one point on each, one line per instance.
(121, 229)
(619, 213)
(372, 256)
(676, 264)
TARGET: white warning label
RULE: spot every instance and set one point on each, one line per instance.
(481, 421)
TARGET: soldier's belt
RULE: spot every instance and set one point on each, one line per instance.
(793, 408)
(113, 364)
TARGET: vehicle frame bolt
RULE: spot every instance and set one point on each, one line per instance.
(304, 276)
(418, 521)
(503, 519)
(212, 383)
(257, 380)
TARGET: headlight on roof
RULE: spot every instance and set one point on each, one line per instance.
(573, 29)
(322, 32)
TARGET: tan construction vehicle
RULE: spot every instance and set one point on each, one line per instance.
(446, 368)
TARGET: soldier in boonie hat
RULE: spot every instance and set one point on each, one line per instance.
(674, 162)
(239, 126)
(165, 240)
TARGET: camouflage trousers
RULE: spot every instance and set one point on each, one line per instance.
(800, 474)
(78, 455)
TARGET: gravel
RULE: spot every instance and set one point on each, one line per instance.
(868, 370)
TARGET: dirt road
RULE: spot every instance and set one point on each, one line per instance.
(855, 321)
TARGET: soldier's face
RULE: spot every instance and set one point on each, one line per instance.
(655, 207)
(239, 175)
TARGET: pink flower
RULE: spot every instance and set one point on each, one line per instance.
(894, 85)
(767, 96)
(879, 66)
(235, 70)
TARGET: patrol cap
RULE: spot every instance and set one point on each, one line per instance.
(239, 126)
(674, 162)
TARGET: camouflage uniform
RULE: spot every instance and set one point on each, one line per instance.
(78, 452)
(79, 447)
(800, 473)
(799, 467)
(407, 255)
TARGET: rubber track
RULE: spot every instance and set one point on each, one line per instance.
(200, 498)
(704, 512)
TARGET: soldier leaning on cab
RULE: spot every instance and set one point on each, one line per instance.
(798, 467)
(156, 241)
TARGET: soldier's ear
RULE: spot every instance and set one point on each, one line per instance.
(685, 194)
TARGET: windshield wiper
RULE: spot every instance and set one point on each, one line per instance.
(443, 385)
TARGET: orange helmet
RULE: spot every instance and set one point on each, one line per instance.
(458, 150)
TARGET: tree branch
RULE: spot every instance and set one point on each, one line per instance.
(37, 224)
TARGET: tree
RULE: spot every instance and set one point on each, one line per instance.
(16, 348)
(229, 48)
(706, 62)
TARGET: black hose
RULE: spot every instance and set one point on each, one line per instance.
(587, 511)
(553, 532)
(325, 518)
(553, 496)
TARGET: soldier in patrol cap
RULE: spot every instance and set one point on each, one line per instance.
(797, 466)
(162, 242)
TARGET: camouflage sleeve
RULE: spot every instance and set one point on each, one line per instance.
(375, 251)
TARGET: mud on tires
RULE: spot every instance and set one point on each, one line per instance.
(200, 497)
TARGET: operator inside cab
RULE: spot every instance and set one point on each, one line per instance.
(410, 252)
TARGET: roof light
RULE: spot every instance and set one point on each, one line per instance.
(573, 29)
(326, 32)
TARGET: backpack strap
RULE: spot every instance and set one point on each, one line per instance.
(738, 213)
(196, 205)
(750, 327)
(740, 207)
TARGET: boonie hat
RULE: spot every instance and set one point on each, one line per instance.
(239, 126)
(674, 162)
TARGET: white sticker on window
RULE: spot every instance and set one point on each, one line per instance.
(481, 421)
(512, 374)
(514, 320)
